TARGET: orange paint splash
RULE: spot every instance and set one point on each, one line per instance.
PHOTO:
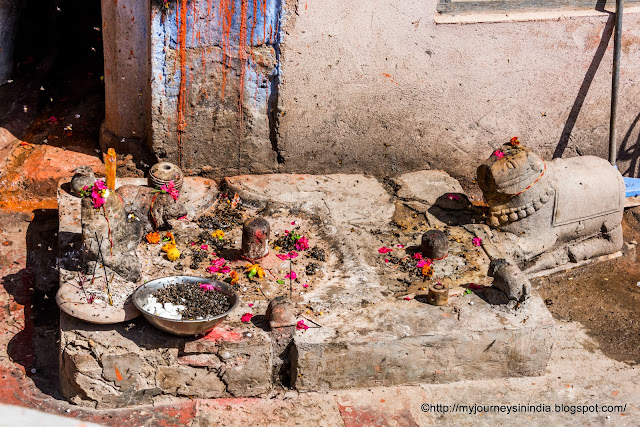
(182, 56)
(389, 77)
(204, 63)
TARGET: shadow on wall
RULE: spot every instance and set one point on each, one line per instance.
(630, 151)
(565, 137)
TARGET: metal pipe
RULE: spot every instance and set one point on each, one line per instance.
(613, 149)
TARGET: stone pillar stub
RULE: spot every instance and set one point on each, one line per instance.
(126, 29)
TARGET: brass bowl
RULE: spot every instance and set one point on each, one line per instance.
(182, 327)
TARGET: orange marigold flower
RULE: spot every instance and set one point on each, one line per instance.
(254, 270)
(168, 246)
(514, 141)
(235, 277)
(153, 238)
(427, 271)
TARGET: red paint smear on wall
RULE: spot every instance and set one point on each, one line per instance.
(182, 93)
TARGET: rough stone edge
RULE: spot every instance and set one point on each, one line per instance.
(510, 362)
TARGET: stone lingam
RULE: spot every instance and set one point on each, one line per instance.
(546, 215)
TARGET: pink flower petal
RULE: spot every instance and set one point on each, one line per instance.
(304, 285)
(293, 254)
(246, 317)
(205, 247)
(100, 185)
(407, 298)
(170, 189)
(301, 326)
(417, 255)
(302, 244)
(475, 287)
(400, 246)
(291, 276)
(293, 223)
(386, 260)
(384, 250)
(283, 256)
(250, 304)
(207, 287)
(477, 241)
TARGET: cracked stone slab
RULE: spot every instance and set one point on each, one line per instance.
(411, 342)
(426, 185)
(350, 200)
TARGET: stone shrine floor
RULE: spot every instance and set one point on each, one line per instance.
(578, 373)
(366, 327)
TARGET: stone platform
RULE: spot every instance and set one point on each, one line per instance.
(368, 325)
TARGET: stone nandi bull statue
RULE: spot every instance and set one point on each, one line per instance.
(550, 214)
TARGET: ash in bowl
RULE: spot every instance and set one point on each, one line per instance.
(187, 301)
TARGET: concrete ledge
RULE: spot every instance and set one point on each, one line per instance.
(492, 17)
(411, 342)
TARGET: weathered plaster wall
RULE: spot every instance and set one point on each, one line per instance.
(377, 86)
(214, 73)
